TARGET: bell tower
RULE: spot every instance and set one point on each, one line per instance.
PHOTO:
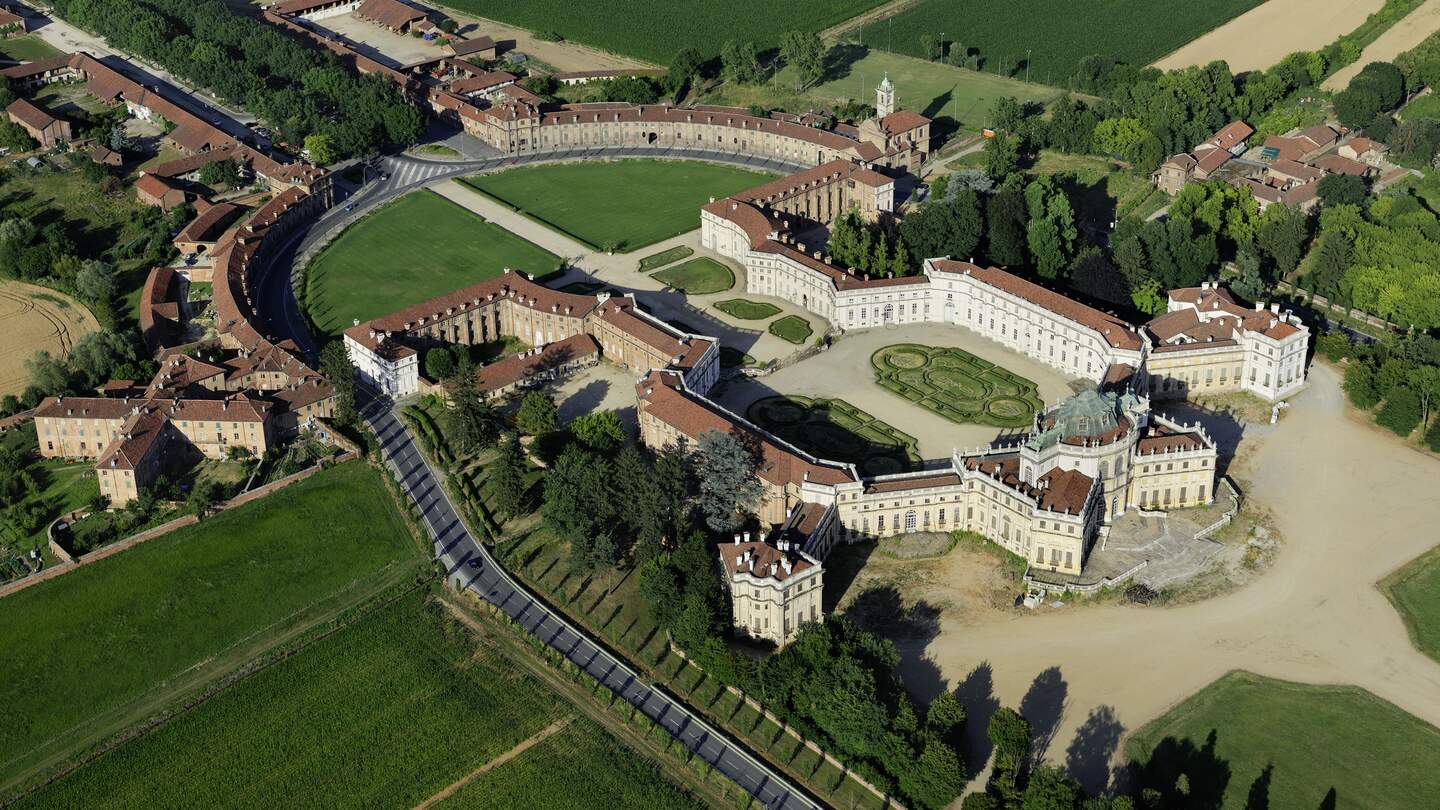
(884, 98)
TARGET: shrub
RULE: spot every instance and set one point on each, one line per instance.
(1432, 437)
(1401, 412)
(549, 36)
(1333, 346)
(1360, 386)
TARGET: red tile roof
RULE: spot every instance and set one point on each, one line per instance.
(519, 367)
(762, 560)
(1116, 332)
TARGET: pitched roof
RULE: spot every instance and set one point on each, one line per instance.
(1337, 164)
(902, 121)
(466, 47)
(83, 408)
(761, 559)
(523, 366)
(1116, 332)
(208, 224)
(389, 13)
(29, 114)
(1231, 135)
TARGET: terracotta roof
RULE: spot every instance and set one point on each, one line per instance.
(909, 484)
(1301, 194)
(736, 117)
(902, 121)
(762, 560)
(756, 223)
(389, 13)
(186, 165)
(1289, 148)
(681, 351)
(300, 6)
(519, 367)
(1065, 491)
(513, 286)
(1162, 440)
(1362, 145)
(83, 408)
(483, 81)
(1295, 170)
(466, 47)
(1231, 135)
(833, 171)
(139, 434)
(29, 114)
(37, 67)
(299, 395)
(1181, 161)
(1213, 159)
(209, 224)
(1336, 164)
(1116, 332)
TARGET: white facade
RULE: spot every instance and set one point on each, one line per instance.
(396, 377)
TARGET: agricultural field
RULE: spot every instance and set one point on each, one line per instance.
(654, 30)
(108, 644)
(36, 319)
(1245, 734)
(1053, 34)
(1264, 35)
(792, 328)
(27, 48)
(700, 276)
(617, 205)
(956, 385)
(386, 712)
(549, 774)
(836, 430)
(1415, 592)
(420, 246)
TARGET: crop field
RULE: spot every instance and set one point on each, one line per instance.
(36, 319)
(420, 246)
(552, 773)
(618, 205)
(1055, 33)
(88, 653)
(956, 385)
(836, 430)
(384, 713)
(655, 30)
(1291, 744)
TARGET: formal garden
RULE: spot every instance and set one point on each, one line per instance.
(836, 430)
(957, 385)
(747, 310)
(792, 328)
(700, 276)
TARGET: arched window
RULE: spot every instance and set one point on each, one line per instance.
(910, 521)
(1104, 470)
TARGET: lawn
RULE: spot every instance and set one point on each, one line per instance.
(1313, 740)
(27, 48)
(665, 257)
(747, 310)
(655, 30)
(384, 713)
(582, 754)
(956, 385)
(836, 430)
(700, 276)
(734, 358)
(1101, 191)
(1415, 592)
(1052, 32)
(420, 246)
(937, 90)
(110, 643)
(792, 328)
(618, 205)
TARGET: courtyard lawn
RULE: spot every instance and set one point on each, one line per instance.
(836, 430)
(618, 205)
(27, 48)
(420, 246)
(747, 310)
(384, 713)
(664, 257)
(957, 385)
(700, 276)
(792, 328)
(1312, 740)
(90, 652)
(1050, 34)
(1415, 592)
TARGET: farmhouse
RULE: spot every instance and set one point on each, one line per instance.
(481, 47)
(151, 189)
(46, 129)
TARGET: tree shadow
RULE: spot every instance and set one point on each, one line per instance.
(588, 398)
(840, 60)
(1328, 803)
(1044, 705)
(1184, 775)
(1259, 796)
(1089, 754)
(977, 694)
(882, 609)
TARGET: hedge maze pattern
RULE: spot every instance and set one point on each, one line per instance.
(957, 385)
(836, 430)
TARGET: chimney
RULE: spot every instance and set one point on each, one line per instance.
(737, 534)
(747, 537)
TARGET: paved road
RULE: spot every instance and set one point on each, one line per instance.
(469, 565)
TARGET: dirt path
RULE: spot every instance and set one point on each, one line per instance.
(524, 745)
(1265, 34)
(1353, 507)
(1402, 36)
(880, 12)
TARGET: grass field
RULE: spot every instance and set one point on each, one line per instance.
(1057, 37)
(792, 328)
(27, 48)
(105, 645)
(655, 30)
(413, 249)
(1415, 592)
(836, 430)
(665, 257)
(621, 205)
(1101, 191)
(956, 385)
(1313, 739)
(939, 91)
(700, 276)
(36, 319)
(384, 713)
(747, 310)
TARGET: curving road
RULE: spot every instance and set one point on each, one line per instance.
(469, 566)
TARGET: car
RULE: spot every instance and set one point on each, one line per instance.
(349, 208)
(385, 176)
(476, 563)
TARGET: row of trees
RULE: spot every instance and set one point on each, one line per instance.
(1397, 379)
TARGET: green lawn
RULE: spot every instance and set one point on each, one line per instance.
(792, 328)
(384, 713)
(27, 48)
(1051, 32)
(1415, 592)
(700, 276)
(747, 310)
(936, 90)
(1101, 191)
(582, 754)
(623, 204)
(420, 246)
(956, 385)
(836, 430)
(105, 645)
(665, 257)
(734, 358)
(1314, 739)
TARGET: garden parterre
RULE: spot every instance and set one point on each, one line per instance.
(957, 385)
(835, 429)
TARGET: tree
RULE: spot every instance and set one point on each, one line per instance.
(1402, 411)
(950, 227)
(578, 498)
(805, 52)
(95, 355)
(1006, 114)
(937, 777)
(1009, 733)
(599, 430)
(537, 414)
(1005, 217)
(1002, 155)
(845, 236)
(1093, 274)
(1046, 251)
(728, 485)
(507, 477)
(629, 89)
(929, 46)
(1248, 282)
(740, 63)
(14, 137)
(1121, 138)
(224, 173)
(1282, 236)
(95, 282)
(474, 425)
(1425, 382)
(541, 85)
(1148, 298)
(1051, 233)
(1050, 788)
(1360, 385)
(335, 365)
(48, 373)
(684, 68)
(439, 363)
(204, 495)
(322, 149)
(1342, 189)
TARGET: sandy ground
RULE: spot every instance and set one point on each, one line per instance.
(1402, 36)
(32, 324)
(564, 56)
(379, 43)
(1267, 33)
(1353, 505)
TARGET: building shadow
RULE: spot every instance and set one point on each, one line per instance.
(1043, 706)
(1223, 426)
(583, 401)
(844, 564)
(1090, 752)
